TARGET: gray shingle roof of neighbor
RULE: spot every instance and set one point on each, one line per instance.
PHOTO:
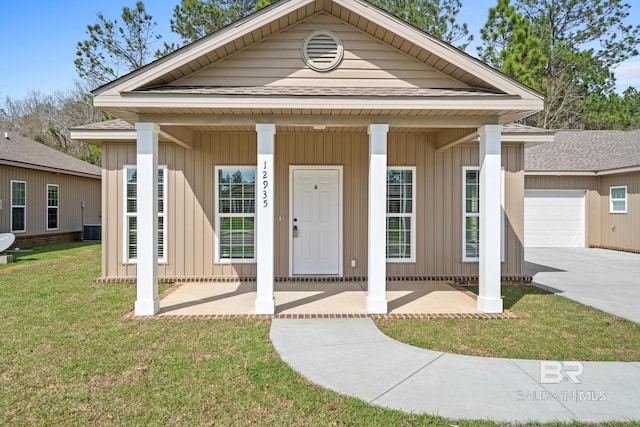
(23, 152)
(585, 151)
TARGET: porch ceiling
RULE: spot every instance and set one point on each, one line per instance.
(360, 116)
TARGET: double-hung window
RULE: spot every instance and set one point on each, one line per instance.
(401, 208)
(235, 213)
(131, 214)
(618, 199)
(18, 206)
(53, 206)
(471, 214)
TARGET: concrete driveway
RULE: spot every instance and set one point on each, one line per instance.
(606, 280)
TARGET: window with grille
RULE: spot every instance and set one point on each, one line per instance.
(618, 199)
(131, 214)
(471, 213)
(400, 246)
(18, 206)
(235, 214)
(53, 206)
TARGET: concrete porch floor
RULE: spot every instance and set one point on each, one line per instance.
(314, 298)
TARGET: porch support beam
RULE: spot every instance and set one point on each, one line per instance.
(436, 122)
(377, 267)
(180, 135)
(147, 302)
(489, 300)
(265, 302)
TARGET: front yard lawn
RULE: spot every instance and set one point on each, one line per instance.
(549, 327)
(69, 356)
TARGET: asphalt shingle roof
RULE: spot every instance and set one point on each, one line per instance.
(25, 152)
(585, 151)
(320, 91)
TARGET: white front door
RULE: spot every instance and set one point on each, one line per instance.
(315, 221)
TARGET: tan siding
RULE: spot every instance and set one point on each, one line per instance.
(621, 230)
(593, 200)
(191, 247)
(72, 191)
(277, 61)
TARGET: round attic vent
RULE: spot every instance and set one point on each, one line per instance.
(322, 50)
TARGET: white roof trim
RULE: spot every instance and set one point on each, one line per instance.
(395, 25)
(151, 100)
(440, 48)
(583, 173)
(201, 47)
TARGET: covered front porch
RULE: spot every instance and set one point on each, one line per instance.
(317, 298)
(375, 208)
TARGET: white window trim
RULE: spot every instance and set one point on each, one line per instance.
(219, 260)
(126, 216)
(57, 208)
(24, 207)
(412, 258)
(617, 187)
(464, 214)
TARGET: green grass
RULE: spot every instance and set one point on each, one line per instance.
(549, 327)
(69, 356)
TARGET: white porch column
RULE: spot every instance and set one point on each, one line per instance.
(147, 302)
(489, 300)
(377, 263)
(265, 303)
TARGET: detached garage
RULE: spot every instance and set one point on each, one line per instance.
(554, 218)
(583, 190)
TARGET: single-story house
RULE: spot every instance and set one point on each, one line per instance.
(583, 190)
(314, 138)
(46, 196)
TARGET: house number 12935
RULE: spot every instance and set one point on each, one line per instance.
(265, 184)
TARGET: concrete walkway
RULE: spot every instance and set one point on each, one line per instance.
(604, 279)
(352, 357)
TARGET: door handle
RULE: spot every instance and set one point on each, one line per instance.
(295, 231)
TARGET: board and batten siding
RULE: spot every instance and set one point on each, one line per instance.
(191, 216)
(277, 61)
(621, 230)
(72, 191)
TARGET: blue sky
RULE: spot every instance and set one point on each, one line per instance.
(38, 39)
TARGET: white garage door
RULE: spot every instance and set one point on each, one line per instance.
(554, 218)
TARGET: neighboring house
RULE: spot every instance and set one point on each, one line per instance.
(46, 196)
(583, 191)
(314, 138)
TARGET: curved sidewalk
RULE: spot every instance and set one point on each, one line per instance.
(352, 357)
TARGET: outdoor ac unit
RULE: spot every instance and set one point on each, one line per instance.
(92, 232)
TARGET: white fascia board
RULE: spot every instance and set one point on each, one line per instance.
(559, 173)
(96, 136)
(146, 100)
(541, 138)
(584, 173)
(441, 49)
(199, 48)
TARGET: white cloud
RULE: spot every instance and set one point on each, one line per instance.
(628, 74)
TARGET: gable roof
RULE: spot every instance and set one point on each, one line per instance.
(22, 152)
(585, 151)
(144, 90)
